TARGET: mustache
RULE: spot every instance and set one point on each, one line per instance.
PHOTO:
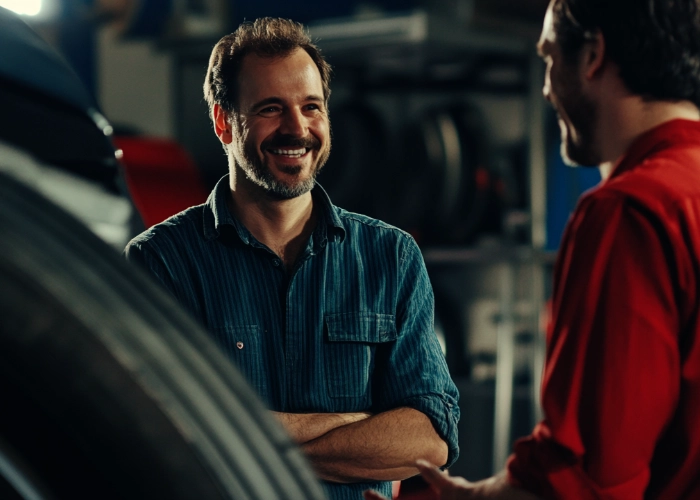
(291, 142)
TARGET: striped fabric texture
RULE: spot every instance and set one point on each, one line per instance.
(349, 329)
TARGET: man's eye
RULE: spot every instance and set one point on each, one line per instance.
(269, 110)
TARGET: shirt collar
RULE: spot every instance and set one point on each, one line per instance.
(217, 215)
(669, 134)
(330, 214)
(216, 212)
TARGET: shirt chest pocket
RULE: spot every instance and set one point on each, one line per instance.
(351, 340)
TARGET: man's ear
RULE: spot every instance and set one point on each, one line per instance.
(593, 56)
(222, 127)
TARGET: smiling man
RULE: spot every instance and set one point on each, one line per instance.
(328, 314)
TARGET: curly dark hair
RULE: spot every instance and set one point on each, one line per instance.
(655, 43)
(265, 37)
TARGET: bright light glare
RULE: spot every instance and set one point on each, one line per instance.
(22, 7)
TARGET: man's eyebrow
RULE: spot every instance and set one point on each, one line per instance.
(265, 102)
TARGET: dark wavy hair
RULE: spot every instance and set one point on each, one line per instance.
(655, 43)
(265, 37)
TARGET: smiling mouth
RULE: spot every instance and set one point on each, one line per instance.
(289, 153)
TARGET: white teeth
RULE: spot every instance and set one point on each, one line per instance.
(296, 153)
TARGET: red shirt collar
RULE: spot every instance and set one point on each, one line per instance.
(669, 134)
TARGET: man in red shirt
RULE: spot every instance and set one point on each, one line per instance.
(621, 389)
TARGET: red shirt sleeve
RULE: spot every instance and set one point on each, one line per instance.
(611, 379)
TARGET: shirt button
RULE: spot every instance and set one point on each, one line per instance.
(239, 345)
(276, 262)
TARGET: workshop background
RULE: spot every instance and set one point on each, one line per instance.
(439, 127)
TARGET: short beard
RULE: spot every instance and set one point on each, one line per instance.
(260, 174)
(582, 114)
(580, 152)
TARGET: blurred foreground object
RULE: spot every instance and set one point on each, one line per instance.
(50, 119)
(109, 389)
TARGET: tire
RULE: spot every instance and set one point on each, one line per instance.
(108, 389)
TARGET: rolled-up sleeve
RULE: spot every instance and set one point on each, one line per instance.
(413, 371)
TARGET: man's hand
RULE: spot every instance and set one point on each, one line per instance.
(445, 486)
(448, 487)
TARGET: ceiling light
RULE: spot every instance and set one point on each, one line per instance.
(23, 7)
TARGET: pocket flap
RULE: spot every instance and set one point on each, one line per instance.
(361, 327)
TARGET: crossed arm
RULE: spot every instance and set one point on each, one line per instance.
(349, 447)
(352, 447)
(305, 427)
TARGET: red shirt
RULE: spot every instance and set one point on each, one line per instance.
(621, 387)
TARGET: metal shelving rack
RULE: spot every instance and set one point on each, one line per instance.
(417, 29)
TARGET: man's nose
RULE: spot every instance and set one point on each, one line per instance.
(294, 123)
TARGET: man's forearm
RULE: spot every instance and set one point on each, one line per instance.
(304, 427)
(383, 447)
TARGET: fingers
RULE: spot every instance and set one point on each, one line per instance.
(373, 495)
(433, 476)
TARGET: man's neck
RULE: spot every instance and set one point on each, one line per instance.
(284, 226)
(626, 119)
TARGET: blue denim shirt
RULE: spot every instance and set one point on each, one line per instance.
(349, 329)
